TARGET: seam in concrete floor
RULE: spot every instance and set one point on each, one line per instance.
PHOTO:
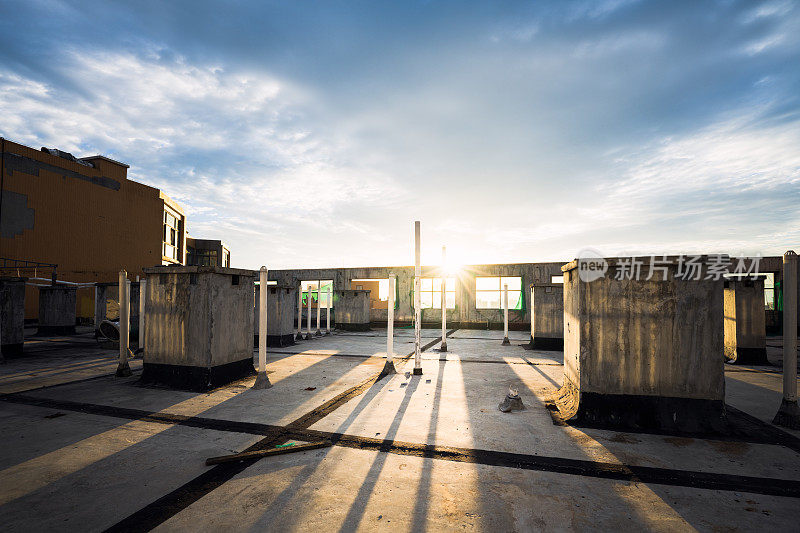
(179, 499)
(300, 432)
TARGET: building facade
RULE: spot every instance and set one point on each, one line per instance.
(84, 215)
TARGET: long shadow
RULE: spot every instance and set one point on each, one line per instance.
(418, 521)
(539, 370)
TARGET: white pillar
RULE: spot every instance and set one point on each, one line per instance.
(142, 323)
(532, 315)
(262, 380)
(299, 335)
(319, 303)
(308, 312)
(123, 369)
(789, 412)
(443, 347)
(389, 366)
(417, 302)
(328, 311)
(505, 315)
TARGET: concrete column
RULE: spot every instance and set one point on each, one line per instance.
(299, 335)
(262, 380)
(123, 369)
(788, 414)
(142, 293)
(505, 315)
(443, 347)
(532, 321)
(319, 303)
(328, 312)
(308, 312)
(388, 368)
(417, 302)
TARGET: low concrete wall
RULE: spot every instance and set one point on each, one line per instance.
(57, 310)
(199, 331)
(745, 324)
(352, 309)
(12, 316)
(547, 316)
(643, 353)
(281, 315)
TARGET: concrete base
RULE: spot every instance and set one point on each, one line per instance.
(747, 356)
(639, 412)
(277, 341)
(262, 381)
(51, 331)
(443, 347)
(123, 370)
(388, 369)
(548, 344)
(353, 327)
(417, 371)
(299, 337)
(788, 415)
(12, 350)
(194, 378)
(506, 342)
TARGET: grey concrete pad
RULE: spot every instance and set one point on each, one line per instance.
(104, 470)
(477, 350)
(340, 489)
(459, 408)
(492, 334)
(757, 393)
(425, 333)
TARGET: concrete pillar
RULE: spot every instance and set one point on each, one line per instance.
(57, 305)
(123, 369)
(142, 293)
(262, 380)
(12, 316)
(308, 312)
(319, 303)
(505, 315)
(443, 347)
(99, 307)
(532, 319)
(328, 311)
(788, 414)
(299, 336)
(417, 302)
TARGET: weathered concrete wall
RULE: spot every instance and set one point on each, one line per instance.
(57, 310)
(12, 316)
(465, 313)
(352, 309)
(547, 316)
(745, 325)
(641, 352)
(200, 326)
(281, 315)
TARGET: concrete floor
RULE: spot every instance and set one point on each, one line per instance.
(84, 450)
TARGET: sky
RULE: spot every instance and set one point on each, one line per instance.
(314, 134)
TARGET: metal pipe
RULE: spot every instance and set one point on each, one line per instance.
(319, 303)
(308, 312)
(417, 302)
(505, 315)
(299, 335)
(262, 381)
(328, 308)
(390, 320)
(443, 347)
(123, 369)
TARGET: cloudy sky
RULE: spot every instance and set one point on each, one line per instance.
(314, 133)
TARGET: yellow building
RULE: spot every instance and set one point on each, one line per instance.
(84, 215)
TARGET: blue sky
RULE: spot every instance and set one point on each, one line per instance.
(314, 133)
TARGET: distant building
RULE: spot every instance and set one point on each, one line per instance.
(207, 252)
(85, 215)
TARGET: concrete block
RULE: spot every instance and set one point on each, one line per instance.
(547, 316)
(643, 353)
(351, 309)
(745, 322)
(281, 310)
(12, 315)
(57, 310)
(199, 333)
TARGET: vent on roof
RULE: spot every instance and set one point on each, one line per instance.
(65, 155)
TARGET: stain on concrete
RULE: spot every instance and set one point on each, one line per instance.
(679, 441)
